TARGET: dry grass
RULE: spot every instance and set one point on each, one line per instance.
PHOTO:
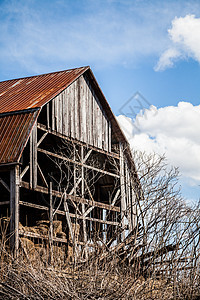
(30, 277)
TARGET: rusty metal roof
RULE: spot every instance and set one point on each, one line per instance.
(14, 132)
(19, 98)
(35, 91)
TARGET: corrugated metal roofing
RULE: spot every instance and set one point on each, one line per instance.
(35, 91)
(19, 95)
(14, 133)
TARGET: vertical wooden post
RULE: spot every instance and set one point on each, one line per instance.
(83, 205)
(34, 132)
(48, 123)
(31, 161)
(128, 197)
(133, 206)
(33, 157)
(50, 224)
(123, 193)
(14, 208)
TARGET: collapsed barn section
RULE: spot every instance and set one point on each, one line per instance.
(66, 171)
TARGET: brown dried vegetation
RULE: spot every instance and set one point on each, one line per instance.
(158, 260)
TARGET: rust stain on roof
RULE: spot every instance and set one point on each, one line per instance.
(14, 133)
(35, 91)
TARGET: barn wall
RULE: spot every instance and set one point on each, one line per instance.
(77, 113)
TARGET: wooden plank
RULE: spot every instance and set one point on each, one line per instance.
(128, 197)
(68, 218)
(88, 211)
(34, 131)
(77, 163)
(48, 122)
(42, 138)
(5, 203)
(40, 236)
(104, 133)
(111, 154)
(71, 97)
(83, 112)
(69, 109)
(133, 207)
(95, 133)
(60, 212)
(109, 137)
(50, 223)
(33, 205)
(82, 195)
(14, 208)
(4, 184)
(76, 199)
(76, 116)
(65, 113)
(31, 160)
(42, 176)
(116, 197)
(123, 195)
(24, 172)
(100, 126)
(60, 110)
(56, 107)
(90, 97)
(53, 114)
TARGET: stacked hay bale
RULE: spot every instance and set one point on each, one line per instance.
(40, 251)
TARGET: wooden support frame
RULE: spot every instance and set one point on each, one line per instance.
(42, 175)
(123, 191)
(33, 157)
(76, 199)
(4, 184)
(82, 195)
(60, 212)
(44, 128)
(77, 163)
(14, 208)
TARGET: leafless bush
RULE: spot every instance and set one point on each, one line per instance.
(159, 259)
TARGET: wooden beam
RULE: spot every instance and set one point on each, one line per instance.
(83, 205)
(88, 211)
(48, 116)
(4, 184)
(76, 199)
(60, 212)
(24, 172)
(42, 175)
(14, 208)
(123, 192)
(116, 197)
(55, 239)
(42, 138)
(31, 161)
(44, 128)
(34, 132)
(37, 235)
(50, 224)
(5, 203)
(76, 162)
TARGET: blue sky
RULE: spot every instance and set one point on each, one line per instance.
(151, 47)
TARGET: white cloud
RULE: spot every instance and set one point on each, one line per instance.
(185, 42)
(173, 131)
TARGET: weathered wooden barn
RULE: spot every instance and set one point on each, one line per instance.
(64, 157)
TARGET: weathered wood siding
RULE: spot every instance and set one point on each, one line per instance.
(77, 113)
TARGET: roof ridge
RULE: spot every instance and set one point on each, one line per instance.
(37, 75)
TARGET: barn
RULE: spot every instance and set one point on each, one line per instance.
(63, 160)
